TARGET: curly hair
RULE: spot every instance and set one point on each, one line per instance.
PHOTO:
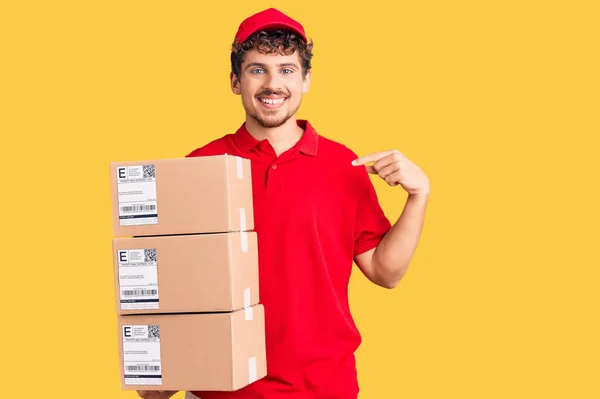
(272, 42)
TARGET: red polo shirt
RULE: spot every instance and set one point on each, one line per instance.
(314, 211)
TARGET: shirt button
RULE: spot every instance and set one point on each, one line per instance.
(274, 166)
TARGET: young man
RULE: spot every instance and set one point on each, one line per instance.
(315, 213)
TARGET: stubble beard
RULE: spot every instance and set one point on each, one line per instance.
(272, 121)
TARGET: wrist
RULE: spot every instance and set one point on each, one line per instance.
(420, 197)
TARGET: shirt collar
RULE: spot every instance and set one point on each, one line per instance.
(307, 145)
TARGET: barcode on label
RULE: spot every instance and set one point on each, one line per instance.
(139, 292)
(149, 171)
(153, 331)
(138, 208)
(142, 367)
(150, 255)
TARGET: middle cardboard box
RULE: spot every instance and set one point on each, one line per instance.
(193, 273)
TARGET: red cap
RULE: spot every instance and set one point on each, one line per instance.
(268, 19)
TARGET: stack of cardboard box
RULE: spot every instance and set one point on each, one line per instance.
(186, 274)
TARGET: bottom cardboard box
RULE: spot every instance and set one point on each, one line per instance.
(192, 351)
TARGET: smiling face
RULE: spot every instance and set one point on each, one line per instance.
(271, 86)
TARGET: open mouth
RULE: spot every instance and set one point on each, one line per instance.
(272, 103)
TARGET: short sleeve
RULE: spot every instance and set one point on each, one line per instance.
(371, 223)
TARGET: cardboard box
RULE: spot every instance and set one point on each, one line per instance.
(203, 351)
(181, 196)
(188, 273)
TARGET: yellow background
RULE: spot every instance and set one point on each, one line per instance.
(498, 101)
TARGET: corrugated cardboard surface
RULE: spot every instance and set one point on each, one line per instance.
(205, 351)
(193, 195)
(196, 273)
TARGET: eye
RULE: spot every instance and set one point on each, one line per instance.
(257, 71)
(287, 71)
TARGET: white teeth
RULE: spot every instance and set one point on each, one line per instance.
(273, 102)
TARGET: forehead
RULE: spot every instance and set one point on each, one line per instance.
(271, 59)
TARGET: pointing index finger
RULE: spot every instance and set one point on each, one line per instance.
(371, 157)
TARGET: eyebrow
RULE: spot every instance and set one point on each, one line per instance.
(261, 65)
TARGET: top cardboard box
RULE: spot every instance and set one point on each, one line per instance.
(194, 195)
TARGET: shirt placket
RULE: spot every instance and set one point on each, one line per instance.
(274, 179)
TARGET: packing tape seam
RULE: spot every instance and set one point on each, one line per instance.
(244, 239)
(249, 314)
(252, 372)
(247, 308)
(243, 219)
(240, 167)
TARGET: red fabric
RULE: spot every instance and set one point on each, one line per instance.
(313, 212)
(268, 19)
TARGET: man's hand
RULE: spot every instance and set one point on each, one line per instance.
(156, 394)
(396, 169)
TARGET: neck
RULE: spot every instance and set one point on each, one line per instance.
(281, 138)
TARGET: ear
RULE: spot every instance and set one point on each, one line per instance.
(306, 82)
(235, 84)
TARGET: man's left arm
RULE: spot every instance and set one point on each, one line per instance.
(386, 264)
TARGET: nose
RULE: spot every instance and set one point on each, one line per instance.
(272, 82)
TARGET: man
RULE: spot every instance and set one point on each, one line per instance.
(315, 213)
